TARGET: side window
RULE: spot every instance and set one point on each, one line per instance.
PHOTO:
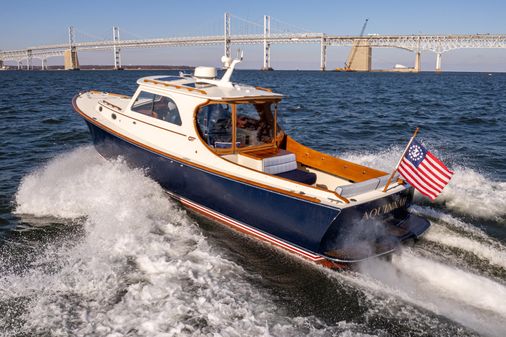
(156, 106)
(165, 109)
(144, 103)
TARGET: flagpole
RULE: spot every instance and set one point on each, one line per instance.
(399, 162)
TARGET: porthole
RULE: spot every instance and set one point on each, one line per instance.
(113, 116)
(99, 108)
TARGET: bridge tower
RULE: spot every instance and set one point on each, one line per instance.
(360, 56)
(29, 59)
(117, 49)
(438, 62)
(418, 63)
(70, 59)
(267, 44)
(323, 53)
(227, 52)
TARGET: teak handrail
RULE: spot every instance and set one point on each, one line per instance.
(263, 89)
(177, 86)
(111, 105)
(333, 165)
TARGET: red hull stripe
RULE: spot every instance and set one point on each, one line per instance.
(249, 230)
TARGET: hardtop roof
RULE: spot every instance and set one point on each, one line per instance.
(210, 89)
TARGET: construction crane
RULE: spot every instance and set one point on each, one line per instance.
(353, 51)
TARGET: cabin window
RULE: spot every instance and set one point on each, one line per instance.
(157, 106)
(254, 124)
(215, 125)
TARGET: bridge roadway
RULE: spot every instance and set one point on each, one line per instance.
(435, 43)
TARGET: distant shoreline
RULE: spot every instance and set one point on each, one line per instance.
(191, 68)
(108, 67)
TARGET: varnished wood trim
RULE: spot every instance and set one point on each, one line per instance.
(337, 195)
(249, 99)
(111, 105)
(263, 89)
(199, 166)
(256, 148)
(275, 125)
(109, 94)
(177, 86)
(112, 108)
(260, 154)
(118, 95)
(234, 127)
(329, 164)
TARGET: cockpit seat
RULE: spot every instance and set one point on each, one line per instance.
(282, 161)
(300, 176)
(284, 164)
(369, 185)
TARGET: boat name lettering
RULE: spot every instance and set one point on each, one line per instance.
(386, 208)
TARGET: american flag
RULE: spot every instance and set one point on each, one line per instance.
(424, 171)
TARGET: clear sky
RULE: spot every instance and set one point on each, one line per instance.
(29, 23)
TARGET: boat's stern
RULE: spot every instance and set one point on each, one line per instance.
(373, 228)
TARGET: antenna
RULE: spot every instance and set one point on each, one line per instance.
(231, 66)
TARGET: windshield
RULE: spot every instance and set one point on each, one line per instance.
(255, 124)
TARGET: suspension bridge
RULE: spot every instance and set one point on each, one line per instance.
(259, 33)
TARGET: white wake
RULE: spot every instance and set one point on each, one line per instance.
(142, 268)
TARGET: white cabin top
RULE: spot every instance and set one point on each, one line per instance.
(204, 84)
(206, 88)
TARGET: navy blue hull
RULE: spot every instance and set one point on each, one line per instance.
(308, 225)
(291, 219)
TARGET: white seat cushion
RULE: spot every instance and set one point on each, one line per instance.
(352, 190)
(283, 161)
(280, 168)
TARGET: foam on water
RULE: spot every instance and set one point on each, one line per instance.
(455, 292)
(472, 193)
(469, 192)
(472, 300)
(142, 268)
(490, 251)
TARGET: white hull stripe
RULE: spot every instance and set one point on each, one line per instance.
(248, 229)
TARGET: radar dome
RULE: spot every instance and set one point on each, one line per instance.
(205, 72)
